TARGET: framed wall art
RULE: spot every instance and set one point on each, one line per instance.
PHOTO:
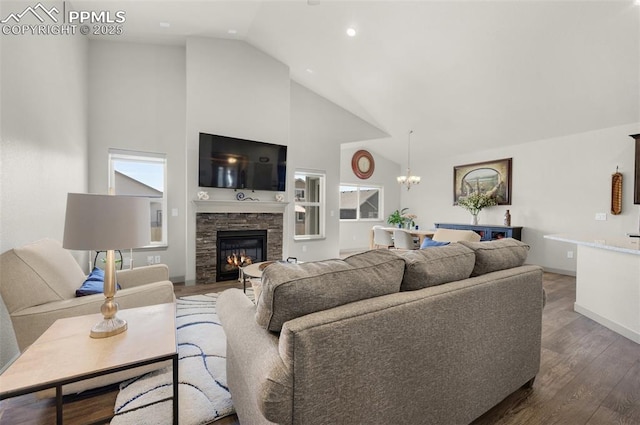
(492, 178)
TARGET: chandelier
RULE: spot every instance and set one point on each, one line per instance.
(409, 180)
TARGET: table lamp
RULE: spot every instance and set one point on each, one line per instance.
(106, 223)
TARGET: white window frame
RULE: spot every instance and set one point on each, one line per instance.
(380, 202)
(148, 157)
(321, 203)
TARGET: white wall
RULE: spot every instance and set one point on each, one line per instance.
(44, 132)
(559, 185)
(318, 128)
(158, 98)
(236, 90)
(138, 102)
(233, 90)
(355, 235)
(43, 155)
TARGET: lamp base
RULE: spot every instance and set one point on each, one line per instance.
(108, 327)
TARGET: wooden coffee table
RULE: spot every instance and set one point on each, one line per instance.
(254, 271)
(65, 353)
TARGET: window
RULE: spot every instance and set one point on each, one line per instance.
(309, 205)
(360, 202)
(143, 174)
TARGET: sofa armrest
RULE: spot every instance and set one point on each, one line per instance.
(31, 322)
(143, 275)
(260, 383)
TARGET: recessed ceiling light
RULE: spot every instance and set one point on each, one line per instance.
(351, 32)
(232, 31)
(165, 24)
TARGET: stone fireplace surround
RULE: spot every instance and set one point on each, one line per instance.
(208, 224)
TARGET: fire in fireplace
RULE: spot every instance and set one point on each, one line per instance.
(238, 248)
(239, 260)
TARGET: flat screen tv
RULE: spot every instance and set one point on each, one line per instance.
(231, 163)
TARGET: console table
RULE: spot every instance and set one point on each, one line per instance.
(487, 232)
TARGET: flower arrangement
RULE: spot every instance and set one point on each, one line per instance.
(401, 218)
(409, 219)
(475, 202)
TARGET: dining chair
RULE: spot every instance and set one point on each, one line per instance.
(381, 238)
(403, 239)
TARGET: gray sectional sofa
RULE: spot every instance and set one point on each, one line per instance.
(435, 336)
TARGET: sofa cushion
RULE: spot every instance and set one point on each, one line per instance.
(435, 266)
(38, 273)
(497, 255)
(294, 290)
(94, 284)
(428, 242)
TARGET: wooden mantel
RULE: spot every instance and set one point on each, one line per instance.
(229, 206)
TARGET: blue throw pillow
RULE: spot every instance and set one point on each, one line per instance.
(94, 284)
(428, 243)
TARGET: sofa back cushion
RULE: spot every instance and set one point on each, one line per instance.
(497, 255)
(455, 235)
(294, 290)
(38, 273)
(435, 266)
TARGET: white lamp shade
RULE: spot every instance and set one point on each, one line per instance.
(106, 222)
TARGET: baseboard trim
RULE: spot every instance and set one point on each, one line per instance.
(616, 327)
(560, 271)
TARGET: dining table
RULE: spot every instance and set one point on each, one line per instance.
(416, 233)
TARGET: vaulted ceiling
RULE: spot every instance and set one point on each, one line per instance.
(463, 75)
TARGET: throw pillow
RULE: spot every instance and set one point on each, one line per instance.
(94, 283)
(497, 255)
(431, 267)
(428, 242)
(294, 290)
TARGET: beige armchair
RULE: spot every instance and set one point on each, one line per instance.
(455, 235)
(38, 283)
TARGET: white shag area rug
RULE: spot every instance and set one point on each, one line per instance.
(203, 393)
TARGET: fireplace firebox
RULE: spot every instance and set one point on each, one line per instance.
(238, 248)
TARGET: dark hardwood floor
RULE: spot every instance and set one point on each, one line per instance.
(588, 375)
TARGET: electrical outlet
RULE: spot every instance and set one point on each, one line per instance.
(601, 216)
(174, 212)
(157, 259)
(149, 260)
(304, 248)
(569, 254)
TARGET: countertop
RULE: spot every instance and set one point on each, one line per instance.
(627, 245)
